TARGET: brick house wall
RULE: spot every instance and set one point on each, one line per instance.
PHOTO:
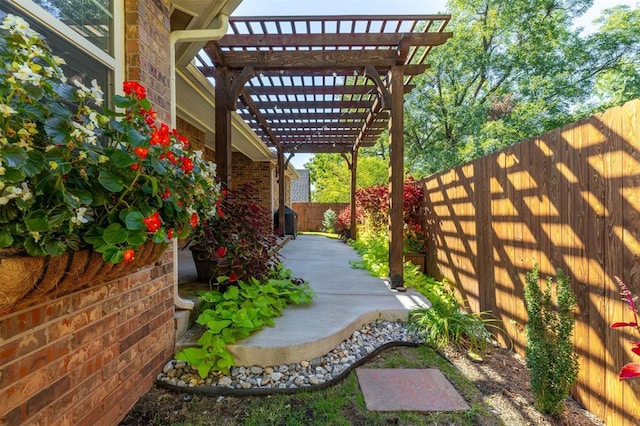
(258, 173)
(196, 138)
(147, 29)
(88, 356)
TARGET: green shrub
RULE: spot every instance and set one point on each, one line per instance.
(329, 221)
(550, 356)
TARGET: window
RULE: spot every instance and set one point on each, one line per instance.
(79, 63)
(92, 19)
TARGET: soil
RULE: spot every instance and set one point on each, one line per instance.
(501, 377)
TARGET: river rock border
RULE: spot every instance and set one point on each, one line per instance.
(316, 373)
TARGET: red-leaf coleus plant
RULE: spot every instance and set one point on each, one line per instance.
(631, 369)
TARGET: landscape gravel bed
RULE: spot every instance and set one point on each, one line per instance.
(317, 372)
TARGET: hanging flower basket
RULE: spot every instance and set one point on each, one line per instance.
(26, 280)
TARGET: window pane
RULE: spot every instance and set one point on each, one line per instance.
(93, 19)
(79, 65)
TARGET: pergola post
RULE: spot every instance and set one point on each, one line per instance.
(396, 177)
(354, 168)
(223, 125)
(281, 188)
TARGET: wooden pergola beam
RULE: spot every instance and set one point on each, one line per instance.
(356, 116)
(345, 70)
(260, 119)
(317, 90)
(315, 40)
(308, 59)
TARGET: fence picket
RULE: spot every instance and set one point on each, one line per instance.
(567, 199)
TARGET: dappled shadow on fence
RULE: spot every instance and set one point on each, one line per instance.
(568, 199)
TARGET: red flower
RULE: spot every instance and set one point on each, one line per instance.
(141, 152)
(160, 136)
(132, 87)
(194, 220)
(134, 166)
(233, 277)
(172, 157)
(153, 222)
(170, 234)
(184, 140)
(166, 194)
(187, 164)
(221, 251)
(220, 212)
(129, 255)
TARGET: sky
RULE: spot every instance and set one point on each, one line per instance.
(362, 7)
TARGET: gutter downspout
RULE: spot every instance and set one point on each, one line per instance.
(188, 36)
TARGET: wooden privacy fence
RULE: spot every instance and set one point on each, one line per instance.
(310, 215)
(568, 199)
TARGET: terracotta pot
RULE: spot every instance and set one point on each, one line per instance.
(417, 259)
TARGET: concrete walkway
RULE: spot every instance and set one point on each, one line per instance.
(346, 299)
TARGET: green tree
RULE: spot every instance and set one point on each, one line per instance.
(619, 35)
(512, 70)
(332, 179)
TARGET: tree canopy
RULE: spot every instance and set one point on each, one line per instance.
(512, 70)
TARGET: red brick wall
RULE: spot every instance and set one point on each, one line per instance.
(196, 138)
(148, 51)
(85, 358)
(258, 173)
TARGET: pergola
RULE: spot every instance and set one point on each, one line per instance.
(322, 85)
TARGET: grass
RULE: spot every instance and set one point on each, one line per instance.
(322, 234)
(342, 404)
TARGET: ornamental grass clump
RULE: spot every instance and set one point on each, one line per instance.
(76, 175)
(550, 355)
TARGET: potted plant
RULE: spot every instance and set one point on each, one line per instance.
(237, 243)
(75, 177)
(414, 244)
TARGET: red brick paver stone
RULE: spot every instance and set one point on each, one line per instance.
(397, 389)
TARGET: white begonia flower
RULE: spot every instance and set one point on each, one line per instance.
(4, 200)
(25, 193)
(1, 185)
(36, 52)
(80, 217)
(25, 74)
(76, 134)
(6, 110)
(80, 85)
(36, 236)
(96, 92)
(16, 24)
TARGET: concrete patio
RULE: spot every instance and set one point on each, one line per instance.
(346, 299)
